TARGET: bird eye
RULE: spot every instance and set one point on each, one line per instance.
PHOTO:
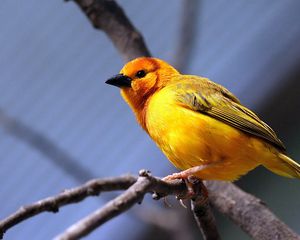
(140, 74)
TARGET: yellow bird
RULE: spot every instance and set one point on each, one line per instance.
(200, 126)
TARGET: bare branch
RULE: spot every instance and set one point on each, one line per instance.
(109, 17)
(203, 214)
(113, 208)
(248, 212)
(136, 189)
(244, 209)
(145, 183)
(91, 188)
(74, 195)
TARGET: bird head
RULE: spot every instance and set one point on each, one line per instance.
(141, 78)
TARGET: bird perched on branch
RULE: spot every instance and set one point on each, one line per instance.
(200, 126)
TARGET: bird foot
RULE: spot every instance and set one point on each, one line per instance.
(193, 184)
(184, 174)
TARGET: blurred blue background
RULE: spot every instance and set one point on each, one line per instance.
(53, 65)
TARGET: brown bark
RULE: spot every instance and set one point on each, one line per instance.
(109, 17)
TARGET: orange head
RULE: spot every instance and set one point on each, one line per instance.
(140, 78)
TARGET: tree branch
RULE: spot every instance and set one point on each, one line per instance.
(115, 207)
(74, 195)
(245, 210)
(109, 17)
(203, 215)
(248, 212)
(136, 189)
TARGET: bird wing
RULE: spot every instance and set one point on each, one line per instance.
(215, 101)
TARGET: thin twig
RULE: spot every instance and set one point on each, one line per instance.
(74, 195)
(113, 208)
(203, 213)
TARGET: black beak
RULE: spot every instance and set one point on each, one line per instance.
(120, 81)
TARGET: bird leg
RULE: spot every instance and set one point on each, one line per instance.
(191, 182)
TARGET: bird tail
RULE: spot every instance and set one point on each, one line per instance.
(284, 166)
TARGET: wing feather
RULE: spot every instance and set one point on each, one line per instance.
(222, 105)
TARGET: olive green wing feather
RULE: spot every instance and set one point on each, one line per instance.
(215, 101)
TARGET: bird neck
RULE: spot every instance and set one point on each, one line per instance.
(138, 105)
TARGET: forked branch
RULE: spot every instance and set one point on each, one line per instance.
(136, 188)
